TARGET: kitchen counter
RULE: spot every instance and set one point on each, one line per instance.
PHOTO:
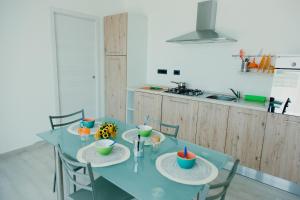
(240, 103)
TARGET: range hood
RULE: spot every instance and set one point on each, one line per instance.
(205, 28)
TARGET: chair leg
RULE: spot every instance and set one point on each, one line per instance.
(74, 177)
(54, 181)
(54, 178)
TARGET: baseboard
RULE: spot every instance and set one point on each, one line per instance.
(267, 179)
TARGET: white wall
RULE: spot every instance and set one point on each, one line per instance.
(26, 62)
(26, 78)
(269, 24)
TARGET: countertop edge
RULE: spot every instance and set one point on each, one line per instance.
(202, 98)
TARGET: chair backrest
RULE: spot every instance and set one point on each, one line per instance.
(175, 127)
(72, 174)
(73, 117)
(224, 185)
(173, 133)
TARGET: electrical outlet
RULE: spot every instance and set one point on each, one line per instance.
(162, 71)
(176, 72)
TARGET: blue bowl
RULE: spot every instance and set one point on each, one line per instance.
(88, 123)
(186, 162)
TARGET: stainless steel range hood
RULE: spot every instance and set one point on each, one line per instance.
(205, 28)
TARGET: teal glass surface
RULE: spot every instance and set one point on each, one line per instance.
(139, 177)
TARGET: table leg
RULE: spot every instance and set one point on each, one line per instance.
(203, 194)
(59, 177)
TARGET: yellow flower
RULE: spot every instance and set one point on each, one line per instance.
(110, 129)
(105, 135)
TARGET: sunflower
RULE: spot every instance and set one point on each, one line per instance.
(105, 135)
(107, 130)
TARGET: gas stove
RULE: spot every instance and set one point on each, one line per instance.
(187, 92)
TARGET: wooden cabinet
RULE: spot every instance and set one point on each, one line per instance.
(125, 42)
(115, 34)
(182, 112)
(245, 134)
(115, 79)
(146, 104)
(281, 149)
(212, 125)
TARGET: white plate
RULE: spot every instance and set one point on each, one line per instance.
(119, 154)
(131, 134)
(73, 129)
(203, 171)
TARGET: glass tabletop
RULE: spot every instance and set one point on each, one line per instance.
(139, 177)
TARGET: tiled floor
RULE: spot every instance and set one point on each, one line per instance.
(28, 175)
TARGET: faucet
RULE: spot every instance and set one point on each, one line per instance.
(237, 94)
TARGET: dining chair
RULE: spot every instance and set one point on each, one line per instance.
(219, 190)
(56, 122)
(173, 133)
(100, 189)
(174, 127)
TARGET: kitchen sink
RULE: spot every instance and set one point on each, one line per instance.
(222, 97)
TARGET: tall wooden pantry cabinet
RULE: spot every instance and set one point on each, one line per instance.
(125, 42)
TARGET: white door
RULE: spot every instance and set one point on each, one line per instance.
(76, 58)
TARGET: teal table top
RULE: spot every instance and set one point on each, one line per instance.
(146, 183)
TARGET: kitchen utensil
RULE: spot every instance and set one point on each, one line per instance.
(186, 160)
(255, 98)
(87, 122)
(132, 134)
(202, 173)
(253, 64)
(88, 154)
(180, 85)
(144, 130)
(105, 146)
(73, 128)
(245, 63)
(242, 54)
(84, 133)
(262, 63)
(138, 147)
(155, 139)
(267, 64)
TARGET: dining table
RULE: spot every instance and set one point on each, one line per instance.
(137, 176)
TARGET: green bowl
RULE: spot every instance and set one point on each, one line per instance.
(103, 146)
(144, 130)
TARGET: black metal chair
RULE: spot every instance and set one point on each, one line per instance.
(100, 188)
(56, 122)
(222, 187)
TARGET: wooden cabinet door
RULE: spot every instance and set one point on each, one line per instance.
(245, 134)
(281, 150)
(115, 87)
(115, 34)
(182, 112)
(147, 104)
(212, 125)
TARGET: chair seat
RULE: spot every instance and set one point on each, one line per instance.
(104, 189)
